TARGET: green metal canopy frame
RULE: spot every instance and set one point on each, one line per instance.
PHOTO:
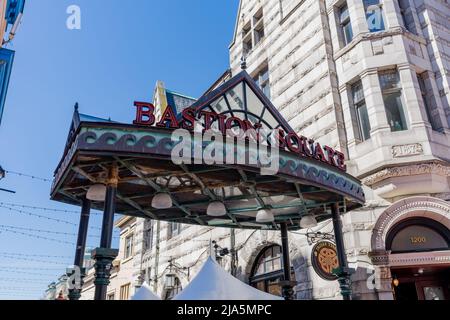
(141, 157)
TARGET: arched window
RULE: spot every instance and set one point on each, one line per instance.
(418, 235)
(267, 272)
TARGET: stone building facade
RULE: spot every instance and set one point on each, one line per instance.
(121, 285)
(371, 79)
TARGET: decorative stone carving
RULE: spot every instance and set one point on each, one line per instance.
(410, 170)
(416, 206)
(407, 150)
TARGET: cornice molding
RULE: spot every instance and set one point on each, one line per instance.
(408, 170)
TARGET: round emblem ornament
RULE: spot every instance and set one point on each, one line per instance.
(324, 259)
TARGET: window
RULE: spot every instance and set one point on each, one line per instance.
(418, 235)
(125, 292)
(173, 230)
(247, 38)
(345, 25)
(407, 15)
(128, 247)
(110, 296)
(429, 102)
(262, 80)
(360, 108)
(374, 15)
(258, 23)
(268, 271)
(392, 97)
(148, 235)
(253, 32)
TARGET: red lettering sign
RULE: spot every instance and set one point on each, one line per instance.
(291, 141)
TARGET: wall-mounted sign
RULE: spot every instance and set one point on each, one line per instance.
(324, 260)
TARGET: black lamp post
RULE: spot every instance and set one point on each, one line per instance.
(343, 272)
(75, 292)
(287, 284)
(104, 256)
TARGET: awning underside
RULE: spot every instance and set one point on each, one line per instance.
(193, 187)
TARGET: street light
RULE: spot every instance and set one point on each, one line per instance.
(97, 192)
(265, 216)
(216, 209)
(162, 200)
(308, 222)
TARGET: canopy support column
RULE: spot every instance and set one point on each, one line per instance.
(343, 272)
(287, 284)
(104, 256)
(79, 272)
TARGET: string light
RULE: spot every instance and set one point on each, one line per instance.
(14, 267)
(38, 237)
(39, 216)
(36, 208)
(27, 176)
(45, 217)
(45, 231)
(19, 280)
(34, 260)
(33, 255)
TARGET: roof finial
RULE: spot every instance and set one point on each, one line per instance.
(76, 106)
(243, 63)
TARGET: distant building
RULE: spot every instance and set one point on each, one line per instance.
(367, 77)
(11, 12)
(125, 267)
(57, 290)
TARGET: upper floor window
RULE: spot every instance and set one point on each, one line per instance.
(360, 108)
(407, 15)
(247, 38)
(173, 230)
(148, 235)
(258, 23)
(128, 246)
(262, 80)
(429, 102)
(253, 32)
(392, 97)
(125, 292)
(374, 15)
(345, 25)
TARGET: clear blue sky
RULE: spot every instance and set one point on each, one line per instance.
(123, 48)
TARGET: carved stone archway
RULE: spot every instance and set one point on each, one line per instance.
(425, 207)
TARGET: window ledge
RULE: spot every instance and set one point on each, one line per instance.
(376, 35)
(127, 260)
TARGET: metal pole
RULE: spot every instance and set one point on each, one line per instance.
(233, 252)
(108, 217)
(287, 284)
(343, 272)
(104, 255)
(75, 292)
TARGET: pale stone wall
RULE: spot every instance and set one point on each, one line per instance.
(310, 74)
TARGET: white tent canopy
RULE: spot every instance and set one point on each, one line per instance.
(214, 283)
(145, 293)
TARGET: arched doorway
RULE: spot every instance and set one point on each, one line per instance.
(267, 271)
(411, 250)
(423, 282)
